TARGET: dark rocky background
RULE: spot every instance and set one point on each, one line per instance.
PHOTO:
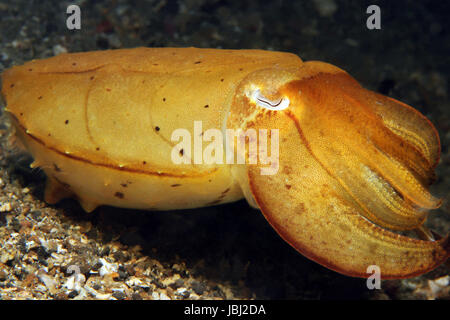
(227, 251)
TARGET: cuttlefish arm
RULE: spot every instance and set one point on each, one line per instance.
(353, 166)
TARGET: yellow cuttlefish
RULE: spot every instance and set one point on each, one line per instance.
(353, 166)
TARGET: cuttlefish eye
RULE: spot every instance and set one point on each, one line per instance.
(260, 100)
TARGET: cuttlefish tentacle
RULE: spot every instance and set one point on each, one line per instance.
(317, 216)
(346, 177)
(407, 123)
(413, 154)
(367, 158)
(401, 119)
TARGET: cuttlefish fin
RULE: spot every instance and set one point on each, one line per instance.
(56, 190)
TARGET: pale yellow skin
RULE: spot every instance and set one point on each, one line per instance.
(100, 123)
(169, 89)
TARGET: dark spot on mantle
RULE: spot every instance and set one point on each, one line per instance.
(119, 195)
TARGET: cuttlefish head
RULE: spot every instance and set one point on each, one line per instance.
(353, 169)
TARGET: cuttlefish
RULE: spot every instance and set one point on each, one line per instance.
(336, 169)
